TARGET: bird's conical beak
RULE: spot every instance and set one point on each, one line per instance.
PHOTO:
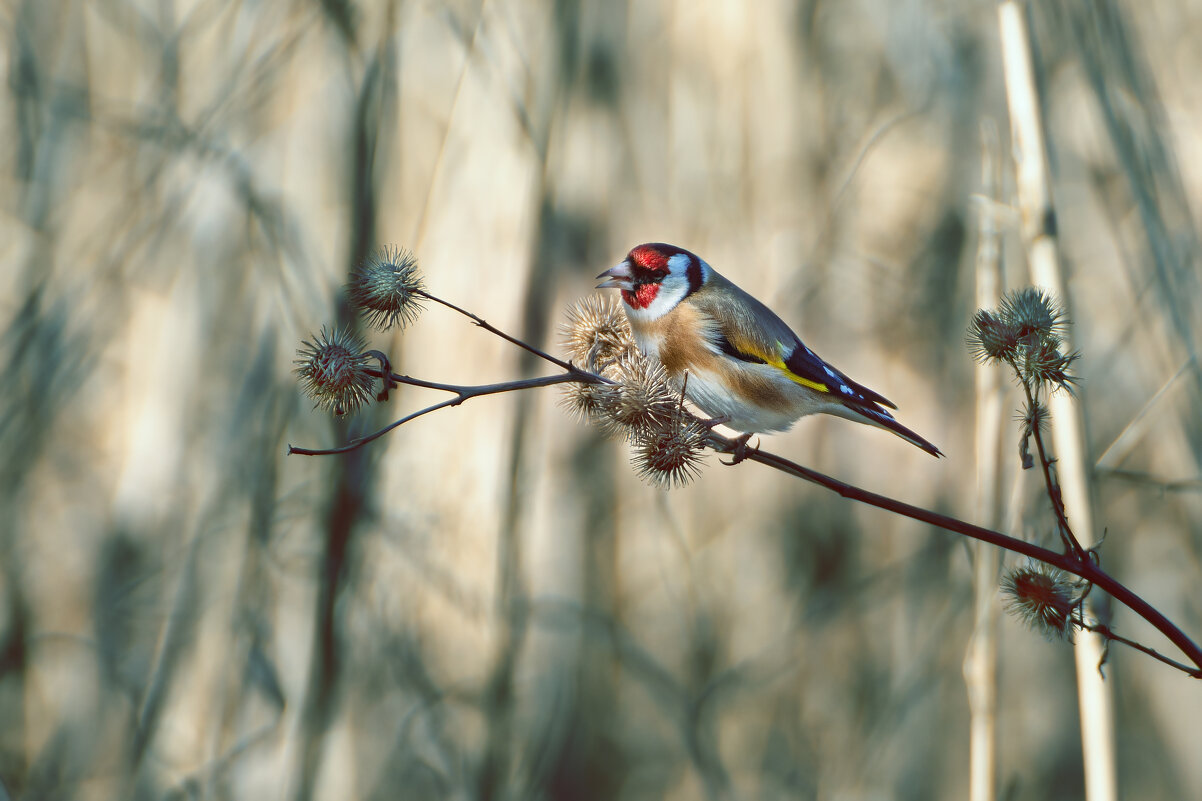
(618, 277)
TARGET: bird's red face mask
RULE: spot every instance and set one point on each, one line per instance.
(638, 277)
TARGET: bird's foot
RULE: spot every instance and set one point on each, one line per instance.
(740, 450)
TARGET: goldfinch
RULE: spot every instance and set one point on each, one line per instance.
(744, 366)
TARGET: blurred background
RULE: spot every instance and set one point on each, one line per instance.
(488, 603)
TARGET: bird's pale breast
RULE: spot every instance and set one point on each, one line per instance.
(755, 396)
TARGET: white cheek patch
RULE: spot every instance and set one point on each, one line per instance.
(671, 292)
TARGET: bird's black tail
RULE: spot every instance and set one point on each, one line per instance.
(876, 416)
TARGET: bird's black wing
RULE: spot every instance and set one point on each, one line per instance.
(805, 363)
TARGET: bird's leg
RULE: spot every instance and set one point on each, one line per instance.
(715, 421)
(739, 452)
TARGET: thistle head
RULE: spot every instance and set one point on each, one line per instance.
(1044, 363)
(387, 288)
(644, 400)
(1027, 332)
(991, 339)
(597, 334)
(1044, 598)
(1035, 315)
(669, 455)
(334, 371)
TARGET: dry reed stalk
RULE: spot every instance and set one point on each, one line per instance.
(980, 660)
(1040, 241)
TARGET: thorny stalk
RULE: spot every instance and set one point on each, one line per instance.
(1053, 486)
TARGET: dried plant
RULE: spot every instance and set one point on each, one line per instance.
(387, 288)
(624, 393)
(1043, 597)
(669, 454)
(335, 372)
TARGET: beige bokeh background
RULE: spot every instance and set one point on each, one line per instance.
(513, 614)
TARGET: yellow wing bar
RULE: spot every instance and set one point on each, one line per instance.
(779, 364)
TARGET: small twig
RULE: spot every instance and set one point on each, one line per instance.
(480, 321)
(1109, 634)
(461, 394)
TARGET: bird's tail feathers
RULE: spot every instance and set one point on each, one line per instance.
(874, 415)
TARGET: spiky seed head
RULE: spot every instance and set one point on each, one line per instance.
(597, 334)
(387, 288)
(1043, 597)
(991, 339)
(670, 455)
(1027, 331)
(333, 371)
(644, 400)
(588, 401)
(1033, 418)
(1034, 314)
(640, 398)
(1043, 363)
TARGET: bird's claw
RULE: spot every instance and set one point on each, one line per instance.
(739, 451)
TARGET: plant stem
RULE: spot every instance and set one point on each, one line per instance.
(1109, 634)
(461, 394)
(1053, 487)
(480, 321)
(1076, 560)
(1069, 562)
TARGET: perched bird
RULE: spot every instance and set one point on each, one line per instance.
(744, 366)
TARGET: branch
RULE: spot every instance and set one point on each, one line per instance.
(1069, 562)
(1078, 564)
(462, 394)
(1075, 560)
(1109, 634)
(480, 321)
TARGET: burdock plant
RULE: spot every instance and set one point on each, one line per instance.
(1026, 333)
(611, 384)
(1045, 598)
(335, 372)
